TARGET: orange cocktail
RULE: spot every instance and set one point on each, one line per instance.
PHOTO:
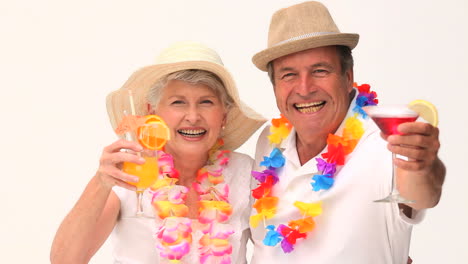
(152, 134)
(147, 172)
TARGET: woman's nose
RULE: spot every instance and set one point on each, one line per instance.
(192, 115)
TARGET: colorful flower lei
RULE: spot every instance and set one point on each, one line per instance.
(337, 149)
(175, 233)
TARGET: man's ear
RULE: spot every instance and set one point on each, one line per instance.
(350, 79)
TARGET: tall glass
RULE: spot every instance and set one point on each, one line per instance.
(147, 172)
(387, 118)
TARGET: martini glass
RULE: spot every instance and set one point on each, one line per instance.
(387, 118)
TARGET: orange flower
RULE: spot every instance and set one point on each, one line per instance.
(348, 145)
(303, 225)
(266, 208)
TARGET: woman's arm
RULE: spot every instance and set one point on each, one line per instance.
(93, 217)
(87, 225)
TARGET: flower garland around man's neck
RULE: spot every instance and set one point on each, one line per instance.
(175, 233)
(338, 147)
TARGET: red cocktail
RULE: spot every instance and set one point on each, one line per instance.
(389, 125)
(387, 119)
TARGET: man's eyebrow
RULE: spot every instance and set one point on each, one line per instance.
(283, 69)
(315, 65)
(321, 64)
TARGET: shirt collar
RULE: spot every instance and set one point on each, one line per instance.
(289, 144)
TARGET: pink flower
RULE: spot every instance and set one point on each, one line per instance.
(216, 230)
(175, 237)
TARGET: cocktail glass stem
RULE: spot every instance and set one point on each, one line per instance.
(139, 212)
(394, 196)
(395, 191)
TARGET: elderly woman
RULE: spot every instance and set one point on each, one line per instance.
(190, 89)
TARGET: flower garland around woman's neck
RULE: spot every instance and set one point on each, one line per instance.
(337, 149)
(175, 233)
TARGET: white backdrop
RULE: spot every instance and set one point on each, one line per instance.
(59, 59)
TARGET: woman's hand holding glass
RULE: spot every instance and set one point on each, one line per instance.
(110, 171)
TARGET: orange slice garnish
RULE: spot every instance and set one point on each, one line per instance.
(154, 134)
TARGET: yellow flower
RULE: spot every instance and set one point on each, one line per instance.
(309, 209)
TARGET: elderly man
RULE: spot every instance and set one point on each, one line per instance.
(321, 166)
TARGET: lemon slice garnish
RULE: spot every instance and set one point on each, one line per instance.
(426, 110)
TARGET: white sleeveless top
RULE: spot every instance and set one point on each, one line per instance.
(133, 237)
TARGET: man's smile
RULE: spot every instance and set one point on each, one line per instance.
(310, 107)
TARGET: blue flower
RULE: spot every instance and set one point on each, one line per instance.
(322, 182)
(364, 99)
(359, 110)
(276, 159)
(272, 237)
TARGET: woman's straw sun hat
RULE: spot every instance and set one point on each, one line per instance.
(241, 120)
(300, 27)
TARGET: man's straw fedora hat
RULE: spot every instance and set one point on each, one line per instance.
(301, 27)
(241, 120)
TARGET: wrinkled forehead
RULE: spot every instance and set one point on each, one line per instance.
(326, 54)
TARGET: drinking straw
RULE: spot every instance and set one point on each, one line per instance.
(132, 105)
(128, 135)
(132, 109)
